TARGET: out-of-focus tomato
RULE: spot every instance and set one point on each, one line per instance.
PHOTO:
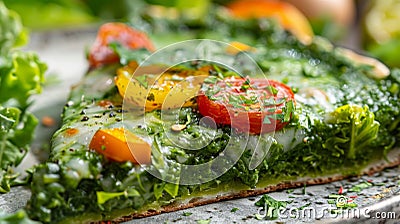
(100, 53)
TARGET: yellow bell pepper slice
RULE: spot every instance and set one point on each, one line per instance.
(155, 87)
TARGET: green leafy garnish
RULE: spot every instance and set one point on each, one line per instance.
(288, 110)
(246, 85)
(211, 79)
(126, 55)
(304, 206)
(234, 209)
(271, 206)
(187, 214)
(142, 79)
(272, 90)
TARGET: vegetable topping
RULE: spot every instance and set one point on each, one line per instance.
(249, 105)
(154, 88)
(121, 145)
(288, 16)
(101, 53)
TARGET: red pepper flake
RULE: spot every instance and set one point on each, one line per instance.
(369, 181)
(353, 196)
(340, 190)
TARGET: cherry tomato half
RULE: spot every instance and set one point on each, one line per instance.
(100, 53)
(248, 105)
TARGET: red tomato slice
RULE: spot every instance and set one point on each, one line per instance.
(248, 105)
(101, 54)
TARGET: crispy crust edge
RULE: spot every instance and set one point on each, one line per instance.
(394, 160)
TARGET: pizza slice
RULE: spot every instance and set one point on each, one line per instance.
(147, 132)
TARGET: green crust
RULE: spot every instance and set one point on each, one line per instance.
(233, 190)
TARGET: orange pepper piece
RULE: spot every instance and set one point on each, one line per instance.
(121, 145)
(289, 17)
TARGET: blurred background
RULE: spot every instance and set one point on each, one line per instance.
(368, 26)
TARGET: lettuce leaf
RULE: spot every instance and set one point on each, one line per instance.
(21, 76)
(357, 128)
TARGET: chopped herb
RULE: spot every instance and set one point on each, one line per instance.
(288, 110)
(219, 71)
(246, 85)
(211, 80)
(304, 206)
(142, 81)
(279, 101)
(271, 206)
(331, 201)
(187, 214)
(334, 196)
(360, 187)
(203, 221)
(272, 90)
(269, 101)
(279, 117)
(336, 211)
(234, 209)
(289, 191)
(235, 101)
(216, 68)
(267, 118)
(304, 189)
